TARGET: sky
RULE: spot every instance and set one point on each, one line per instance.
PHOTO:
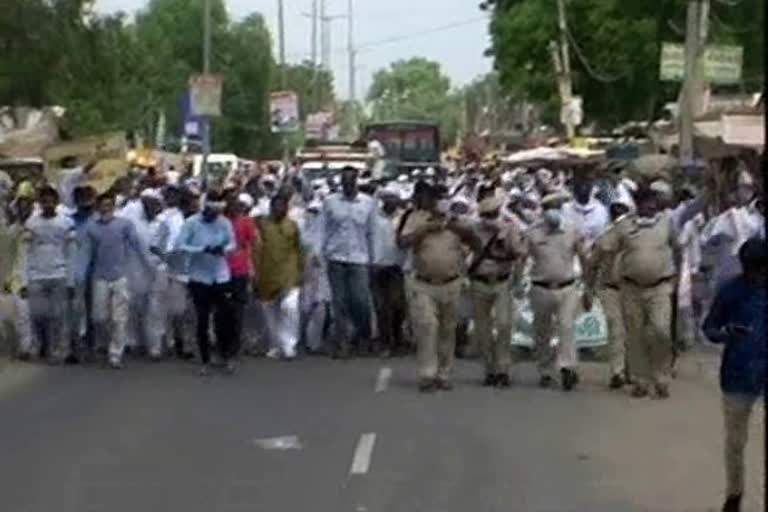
(451, 32)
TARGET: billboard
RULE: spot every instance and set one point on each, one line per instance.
(722, 64)
(284, 111)
(205, 95)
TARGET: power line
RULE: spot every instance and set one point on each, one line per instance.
(421, 33)
(600, 77)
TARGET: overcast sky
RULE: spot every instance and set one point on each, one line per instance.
(458, 49)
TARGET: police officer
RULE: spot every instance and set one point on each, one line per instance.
(490, 275)
(553, 246)
(603, 276)
(437, 241)
(649, 255)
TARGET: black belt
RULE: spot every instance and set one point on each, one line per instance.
(437, 281)
(650, 285)
(491, 279)
(553, 286)
(611, 286)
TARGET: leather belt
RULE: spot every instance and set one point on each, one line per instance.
(553, 286)
(650, 285)
(491, 279)
(611, 286)
(436, 281)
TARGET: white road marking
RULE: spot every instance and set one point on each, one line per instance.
(362, 460)
(382, 382)
(279, 443)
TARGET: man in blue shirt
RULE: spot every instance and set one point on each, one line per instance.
(112, 241)
(738, 320)
(347, 235)
(207, 237)
(81, 323)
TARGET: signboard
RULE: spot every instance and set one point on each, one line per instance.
(284, 111)
(722, 64)
(744, 130)
(318, 125)
(205, 95)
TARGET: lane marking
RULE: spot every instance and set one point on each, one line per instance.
(362, 459)
(279, 443)
(382, 381)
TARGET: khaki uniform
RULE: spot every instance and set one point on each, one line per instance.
(647, 272)
(433, 295)
(492, 302)
(607, 280)
(554, 297)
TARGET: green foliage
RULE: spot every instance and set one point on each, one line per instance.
(620, 42)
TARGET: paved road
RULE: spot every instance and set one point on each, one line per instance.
(159, 438)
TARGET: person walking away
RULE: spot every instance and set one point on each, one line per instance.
(649, 261)
(553, 246)
(240, 262)
(603, 276)
(737, 320)
(438, 257)
(387, 278)
(207, 237)
(79, 312)
(490, 275)
(281, 260)
(113, 241)
(348, 220)
(178, 303)
(315, 295)
(48, 278)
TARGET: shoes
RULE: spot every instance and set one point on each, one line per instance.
(155, 357)
(115, 363)
(490, 380)
(205, 370)
(341, 353)
(569, 379)
(617, 382)
(503, 380)
(230, 367)
(661, 391)
(732, 503)
(427, 385)
(71, 359)
(545, 381)
(273, 353)
(444, 385)
(185, 356)
(639, 391)
(24, 356)
(385, 353)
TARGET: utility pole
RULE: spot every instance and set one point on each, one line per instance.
(352, 70)
(696, 29)
(564, 73)
(283, 76)
(314, 33)
(206, 70)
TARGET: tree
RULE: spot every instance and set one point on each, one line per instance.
(615, 48)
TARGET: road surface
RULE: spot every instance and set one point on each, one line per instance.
(326, 436)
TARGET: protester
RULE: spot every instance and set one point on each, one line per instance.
(281, 259)
(207, 237)
(240, 262)
(112, 241)
(348, 223)
(79, 312)
(315, 297)
(737, 320)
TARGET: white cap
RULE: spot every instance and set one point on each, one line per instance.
(745, 179)
(628, 184)
(403, 178)
(246, 199)
(151, 193)
(430, 171)
(544, 174)
(507, 177)
(315, 204)
(662, 187)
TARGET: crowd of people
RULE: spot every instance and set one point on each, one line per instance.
(277, 265)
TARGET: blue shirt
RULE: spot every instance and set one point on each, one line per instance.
(82, 247)
(348, 226)
(195, 236)
(112, 244)
(744, 304)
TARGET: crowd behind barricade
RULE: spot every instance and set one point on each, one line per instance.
(268, 264)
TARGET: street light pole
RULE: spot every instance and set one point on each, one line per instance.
(206, 71)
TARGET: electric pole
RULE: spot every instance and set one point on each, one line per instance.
(281, 30)
(314, 33)
(562, 62)
(696, 29)
(352, 70)
(206, 71)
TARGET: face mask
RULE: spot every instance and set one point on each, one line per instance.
(553, 217)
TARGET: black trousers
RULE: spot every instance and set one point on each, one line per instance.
(240, 295)
(388, 288)
(216, 299)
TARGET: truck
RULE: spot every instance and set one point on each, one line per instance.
(407, 145)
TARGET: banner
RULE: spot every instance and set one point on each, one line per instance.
(284, 111)
(722, 64)
(205, 95)
(318, 125)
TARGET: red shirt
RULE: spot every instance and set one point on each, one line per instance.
(245, 234)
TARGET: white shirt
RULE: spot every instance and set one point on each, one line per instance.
(384, 245)
(590, 219)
